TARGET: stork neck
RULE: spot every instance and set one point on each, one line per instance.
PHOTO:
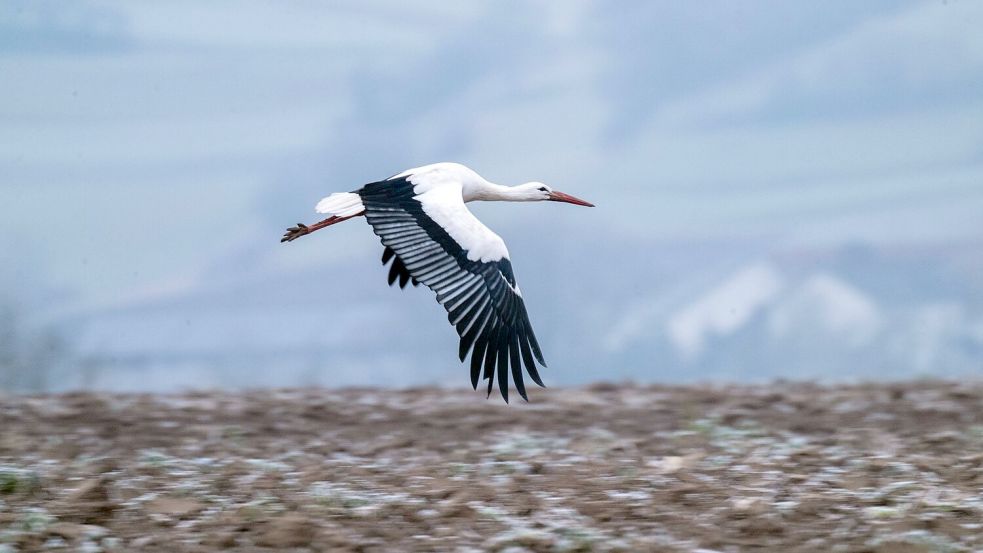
(490, 192)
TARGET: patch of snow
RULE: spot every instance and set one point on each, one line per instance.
(636, 323)
(826, 303)
(724, 309)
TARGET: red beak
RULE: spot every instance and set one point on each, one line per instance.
(561, 197)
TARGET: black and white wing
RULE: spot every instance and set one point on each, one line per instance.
(442, 245)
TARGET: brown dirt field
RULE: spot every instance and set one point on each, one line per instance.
(781, 467)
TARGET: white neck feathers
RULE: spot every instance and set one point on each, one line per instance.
(489, 192)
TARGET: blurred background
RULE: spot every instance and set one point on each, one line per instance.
(784, 190)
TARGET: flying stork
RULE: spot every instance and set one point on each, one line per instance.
(432, 238)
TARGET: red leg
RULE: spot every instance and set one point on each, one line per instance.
(301, 229)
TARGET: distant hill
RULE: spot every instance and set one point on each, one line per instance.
(680, 313)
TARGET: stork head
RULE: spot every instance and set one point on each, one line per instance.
(538, 192)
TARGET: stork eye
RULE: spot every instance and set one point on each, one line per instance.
(543, 189)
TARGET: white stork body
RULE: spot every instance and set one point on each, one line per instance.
(432, 238)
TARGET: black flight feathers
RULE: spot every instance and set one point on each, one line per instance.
(480, 297)
(398, 269)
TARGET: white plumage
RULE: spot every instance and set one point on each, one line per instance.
(445, 206)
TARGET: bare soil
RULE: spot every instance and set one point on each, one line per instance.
(782, 467)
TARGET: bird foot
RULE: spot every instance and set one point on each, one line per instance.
(296, 232)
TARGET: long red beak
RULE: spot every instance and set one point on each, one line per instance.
(561, 197)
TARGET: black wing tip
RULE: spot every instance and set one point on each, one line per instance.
(479, 361)
(505, 394)
(397, 271)
(504, 391)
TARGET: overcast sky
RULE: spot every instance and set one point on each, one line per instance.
(142, 141)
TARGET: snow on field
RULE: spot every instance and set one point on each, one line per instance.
(781, 467)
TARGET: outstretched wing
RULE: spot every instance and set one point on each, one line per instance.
(445, 247)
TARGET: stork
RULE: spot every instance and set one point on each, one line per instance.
(432, 238)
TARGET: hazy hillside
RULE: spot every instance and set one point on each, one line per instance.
(850, 313)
